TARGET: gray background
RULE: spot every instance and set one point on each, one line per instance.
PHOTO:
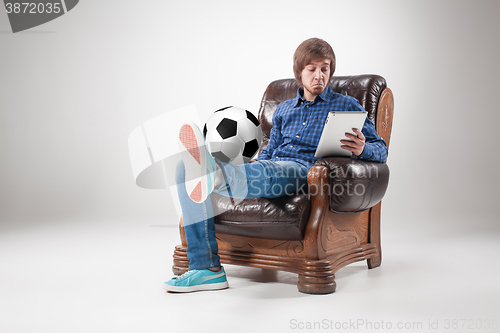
(73, 89)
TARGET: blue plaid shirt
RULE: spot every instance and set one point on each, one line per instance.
(298, 124)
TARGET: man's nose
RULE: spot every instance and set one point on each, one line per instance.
(318, 74)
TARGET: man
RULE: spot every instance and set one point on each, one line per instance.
(280, 169)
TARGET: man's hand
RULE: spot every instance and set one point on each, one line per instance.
(356, 144)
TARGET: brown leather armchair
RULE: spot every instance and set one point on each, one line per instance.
(313, 234)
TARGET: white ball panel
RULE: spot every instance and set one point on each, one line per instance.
(214, 120)
(239, 160)
(232, 147)
(214, 146)
(213, 135)
(245, 159)
(259, 135)
(246, 130)
(213, 140)
(235, 113)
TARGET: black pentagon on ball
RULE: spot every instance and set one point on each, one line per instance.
(252, 118)
(227, 128)
(251, 148)
(221, 156)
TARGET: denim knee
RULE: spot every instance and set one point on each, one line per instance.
(180, 172)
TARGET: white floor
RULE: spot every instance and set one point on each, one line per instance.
(106, 276)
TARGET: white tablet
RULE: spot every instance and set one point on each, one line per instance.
(336, 125)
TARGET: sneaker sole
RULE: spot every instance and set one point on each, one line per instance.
(199, 287)
(191, 142)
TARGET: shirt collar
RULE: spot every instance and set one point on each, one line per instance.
(326, 95)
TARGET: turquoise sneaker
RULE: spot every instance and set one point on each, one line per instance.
(199, 164)
(197, 280)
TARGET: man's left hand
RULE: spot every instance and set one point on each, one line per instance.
(356, 144)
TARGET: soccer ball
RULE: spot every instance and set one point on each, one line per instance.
(233, 135)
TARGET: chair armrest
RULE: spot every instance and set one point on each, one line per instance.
(355, 185)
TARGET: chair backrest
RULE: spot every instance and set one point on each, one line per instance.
(370, 90)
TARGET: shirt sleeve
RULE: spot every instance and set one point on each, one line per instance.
(375, 147)
(275, 138)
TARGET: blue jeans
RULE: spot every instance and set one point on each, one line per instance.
(269, 179)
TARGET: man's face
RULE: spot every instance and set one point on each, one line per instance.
(315, 77)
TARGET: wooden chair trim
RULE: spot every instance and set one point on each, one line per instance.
(318, 180)
(385, 112)
(374, 235)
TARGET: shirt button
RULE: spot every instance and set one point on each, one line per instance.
(291, 146)
(304, 124)
(297, 136)
(307, 106)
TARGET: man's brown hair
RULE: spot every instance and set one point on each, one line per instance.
(310, 50)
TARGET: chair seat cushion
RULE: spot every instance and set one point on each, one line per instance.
(280, 218)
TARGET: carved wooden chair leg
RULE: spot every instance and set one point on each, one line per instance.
(181, 262)
(374, 262)
(311, 284)
(374, 236)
